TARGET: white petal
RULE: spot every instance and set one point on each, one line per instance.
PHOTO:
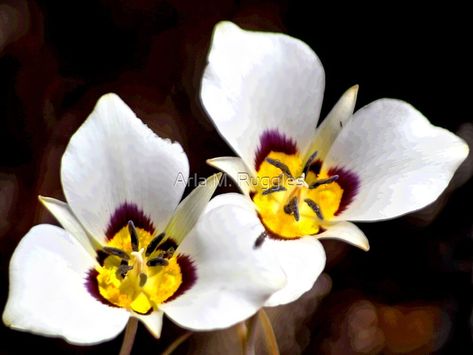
(114, 158)
(236, 169)
(69, 222)
(402, 161)
(233, 278)
(302, 260)
(48, 295)
(153, 322)
(346, 232)
(190, 209)
(233, 199)
(258, 81)
(333, 123)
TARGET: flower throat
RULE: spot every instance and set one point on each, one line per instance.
(292, 200)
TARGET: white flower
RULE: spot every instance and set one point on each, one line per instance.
(263, 92)
(126, 249)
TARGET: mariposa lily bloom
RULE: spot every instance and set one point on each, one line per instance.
(263, 91)
(127, 248)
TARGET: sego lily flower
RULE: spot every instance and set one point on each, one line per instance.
(263, 92)
(126, 249)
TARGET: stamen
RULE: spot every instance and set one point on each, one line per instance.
(169, 253)
(123, 268)
(323, 182)
(280, 165)
(143, 279)
(154, 243)
(117, 252)
(315, 207)
(309, 162)
(272, 189)
(157, 261)
(259, 241)
(293, 208)
(133, 235)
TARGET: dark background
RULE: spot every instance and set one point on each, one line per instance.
(411, 293)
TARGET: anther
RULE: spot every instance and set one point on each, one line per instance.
(259, 241)
(293, 208)
(169, 252)
(315, 207)
(309, 162)
(323, 181)
(272, 189)
(133, 235)
(123, 268)
(157, 262)
(117, 252)
(143, 279)
(281, 166)
(153, 244)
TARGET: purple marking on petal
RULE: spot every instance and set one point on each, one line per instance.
(316, 166)
(92, 286)
(273, 141)
(189, 276)
(128, 212)
(168, 243)
(349, 182)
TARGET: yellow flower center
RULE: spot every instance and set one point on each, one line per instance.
(291, 200)
(137, 274)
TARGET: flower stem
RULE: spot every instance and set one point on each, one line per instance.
(242, 331)
(129, 336)
(251, 335)
(173, 346)
(269, 336)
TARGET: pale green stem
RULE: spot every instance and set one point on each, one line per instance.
(129, 337)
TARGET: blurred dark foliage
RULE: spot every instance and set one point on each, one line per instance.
(412, 293)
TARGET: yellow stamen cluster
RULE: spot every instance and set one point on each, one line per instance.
(142, 288)
(271, 206)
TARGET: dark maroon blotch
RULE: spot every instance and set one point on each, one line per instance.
(92, 286)
(128, 212)
(101, 256)
(189, 276)
(168, 243)
(273, 141)
(349, 182)
(316, 166)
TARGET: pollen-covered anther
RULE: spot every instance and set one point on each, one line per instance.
(293, 208)
(315, 207)
(133, 236)
(123, 269)
(272, 189)
(259, 241)
(323, 182)
(281, 166)
(169, 253)
(143, 279)
(158, 261)
(116, 252)
(154, 244)
(309, 162)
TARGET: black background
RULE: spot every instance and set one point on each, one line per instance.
(152, 53)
